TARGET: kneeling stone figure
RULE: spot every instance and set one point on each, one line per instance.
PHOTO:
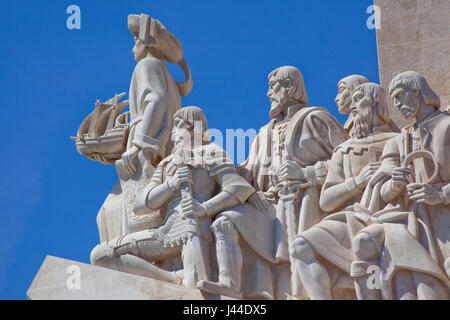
(189, 187)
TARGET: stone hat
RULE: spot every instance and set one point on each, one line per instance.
(151, 31)
(134, 22)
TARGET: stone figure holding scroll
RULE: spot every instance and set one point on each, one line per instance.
(323, 254)
(189, 187)
(408, 200)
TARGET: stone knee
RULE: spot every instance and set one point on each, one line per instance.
(366, 248)
(300, 249)
(104, 252)
(101, 253)
(224, 229)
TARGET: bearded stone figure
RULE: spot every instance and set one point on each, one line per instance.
(287, 163)
(323, 253)
(408, 202)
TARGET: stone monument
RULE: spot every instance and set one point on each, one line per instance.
(317, 211)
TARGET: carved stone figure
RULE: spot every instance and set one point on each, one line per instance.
(136, 147)
(344, 97)
(294, 146)
(154, 95)
(323, 253)
(189, 187)
(409, 201)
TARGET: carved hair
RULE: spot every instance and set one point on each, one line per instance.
(414, 80)
(351, 82)
(193, 115)
(298, 90)
(379, 99)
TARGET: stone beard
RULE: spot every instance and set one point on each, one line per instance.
(278, 101)
(363, 122)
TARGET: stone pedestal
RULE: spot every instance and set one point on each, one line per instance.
(58, 279)
(415, 35)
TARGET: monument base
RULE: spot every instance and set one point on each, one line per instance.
(62, 279)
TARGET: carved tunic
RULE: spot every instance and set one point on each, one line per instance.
(310, 137)
(427, 234)
(340, 190)
(331, 238)
(212, 172)
(278, 149)
(314, 135)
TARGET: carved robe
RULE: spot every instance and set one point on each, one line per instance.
(309, 138)
(154, 99)
(331, 238)
(416, 236)
(307, 135)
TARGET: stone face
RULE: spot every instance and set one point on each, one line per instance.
(415, 35)
(97, 283)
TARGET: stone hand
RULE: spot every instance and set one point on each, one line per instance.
(424, 193)
(192, 208)
(366, 174)
(291, 170)
(400, 178)
(129, 159)
(260, 202)
(183, 174)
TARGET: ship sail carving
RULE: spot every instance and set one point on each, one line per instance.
(102, 135)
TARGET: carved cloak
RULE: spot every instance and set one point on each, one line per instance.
(311, 137)
(154, 99)
(420, 241)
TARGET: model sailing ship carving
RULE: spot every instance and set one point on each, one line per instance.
(103, 134)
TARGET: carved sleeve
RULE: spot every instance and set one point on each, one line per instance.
(446, 192)
(337, 190)
(390, 159)
(155, 195)
(234, 189)
(321, 135)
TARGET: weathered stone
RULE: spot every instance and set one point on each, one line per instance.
(97, 283)
(415, 35)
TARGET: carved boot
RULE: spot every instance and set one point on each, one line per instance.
(229, 259)
(122, 258)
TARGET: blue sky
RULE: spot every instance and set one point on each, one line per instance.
(51, 76)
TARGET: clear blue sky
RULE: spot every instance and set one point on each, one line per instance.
(51, 76)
